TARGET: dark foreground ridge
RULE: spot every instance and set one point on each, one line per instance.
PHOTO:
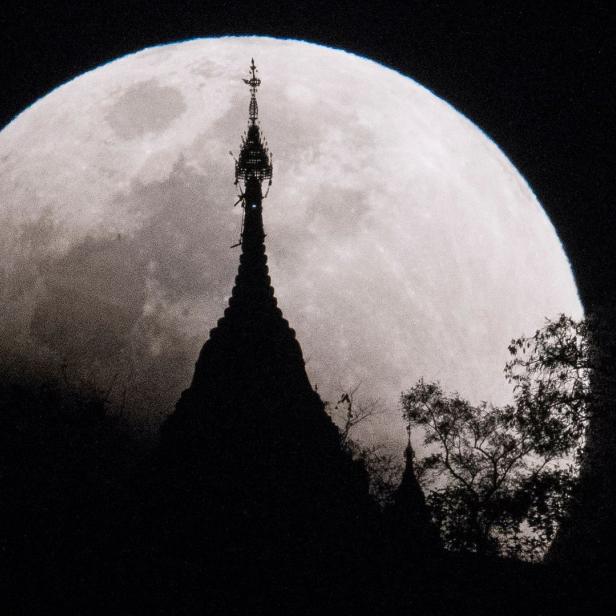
(250, 503)
(79, 535)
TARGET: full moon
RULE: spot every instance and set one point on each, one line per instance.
(401, 241)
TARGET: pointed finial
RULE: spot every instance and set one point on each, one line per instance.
(255, 159)
(254, 82)
(409, 453)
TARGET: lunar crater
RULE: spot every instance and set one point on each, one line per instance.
(145, 107)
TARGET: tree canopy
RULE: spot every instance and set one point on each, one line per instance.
(498, 478)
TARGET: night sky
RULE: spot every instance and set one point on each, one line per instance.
(536, 81)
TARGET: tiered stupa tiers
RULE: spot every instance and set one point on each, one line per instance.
(250, 416)
(252, 354)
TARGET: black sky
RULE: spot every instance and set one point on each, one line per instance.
(535, 79)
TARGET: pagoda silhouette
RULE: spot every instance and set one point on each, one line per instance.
(411, 531)
(254, 482)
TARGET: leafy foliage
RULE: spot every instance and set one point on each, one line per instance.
(499, 478)
(550, 372)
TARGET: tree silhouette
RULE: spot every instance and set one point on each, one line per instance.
(383, 467)
(500, 478)
(550, 372)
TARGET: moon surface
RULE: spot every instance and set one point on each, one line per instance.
(401, 241)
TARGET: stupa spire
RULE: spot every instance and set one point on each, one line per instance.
(254, 82)
(251, 464)
(411, 529)
(252, 168)
(255, 160)
(252, 349)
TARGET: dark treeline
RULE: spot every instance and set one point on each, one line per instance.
(95, 520)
